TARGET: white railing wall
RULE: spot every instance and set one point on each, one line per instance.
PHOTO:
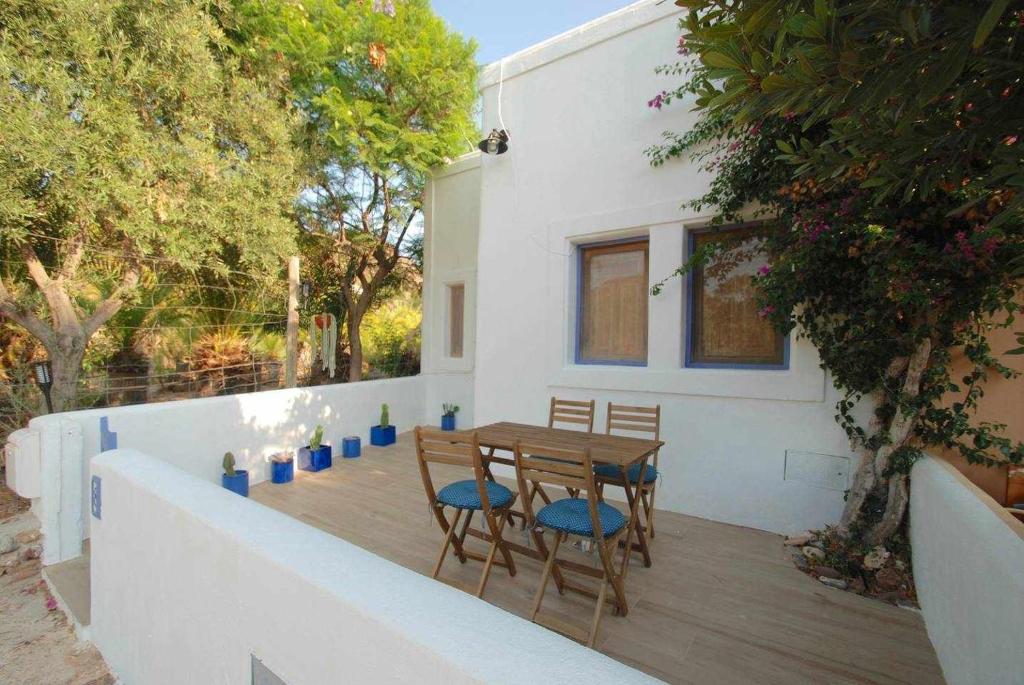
(969, 571)
(193, 435)
(190, 581)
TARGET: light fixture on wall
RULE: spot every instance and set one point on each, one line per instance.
(44, 379)
(495, 144)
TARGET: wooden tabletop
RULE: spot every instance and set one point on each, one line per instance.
(606, 449)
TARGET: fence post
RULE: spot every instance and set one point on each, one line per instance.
(292, 337)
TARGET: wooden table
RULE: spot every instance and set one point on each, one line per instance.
(617, 450)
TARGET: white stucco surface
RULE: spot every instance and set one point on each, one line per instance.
(189, 580)
(969, 571)
(194, 435)
(576, 110)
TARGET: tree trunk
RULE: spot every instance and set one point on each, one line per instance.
(874, 486)
(66, 361)
(354, 320)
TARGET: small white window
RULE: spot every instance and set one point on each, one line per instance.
(456, 309)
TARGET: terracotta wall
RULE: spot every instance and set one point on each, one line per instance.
(1003, 403)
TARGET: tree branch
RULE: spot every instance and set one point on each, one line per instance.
(23, 317)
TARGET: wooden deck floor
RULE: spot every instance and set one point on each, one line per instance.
(721, 604)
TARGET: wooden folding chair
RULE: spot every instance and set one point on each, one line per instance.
(477, 494)
(585, 516)
(623, 419)
(571, 412)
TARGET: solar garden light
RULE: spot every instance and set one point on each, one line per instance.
(494, 144)
(44, 379)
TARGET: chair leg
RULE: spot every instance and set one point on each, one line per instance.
(650, 515)
(448, 536)
(598, 612)
(548, 565)
(495, 542)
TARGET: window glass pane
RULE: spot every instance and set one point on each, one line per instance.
(726, 328)
(613, 307)
(456, 305)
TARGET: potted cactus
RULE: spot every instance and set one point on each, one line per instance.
(383, 434)
(316, 456)
(448, 412)
(282, 468)
(235, 480)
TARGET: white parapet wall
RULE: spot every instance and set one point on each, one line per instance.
(194, 435)
(190, 581)
(969, 571)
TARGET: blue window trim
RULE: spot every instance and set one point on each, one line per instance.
(580, 249)
(691, 299)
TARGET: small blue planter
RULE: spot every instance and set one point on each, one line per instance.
(238, 483)
(448, 422)
(382, 436)
(282, 471)
(315, 460)
(351, 447)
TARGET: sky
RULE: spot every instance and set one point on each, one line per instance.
(501, 28)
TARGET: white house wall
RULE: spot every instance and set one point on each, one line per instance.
(452, 211)
(756, 448)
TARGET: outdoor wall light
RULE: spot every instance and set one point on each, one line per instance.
(305, 288)
(44, 379)
(495, 144)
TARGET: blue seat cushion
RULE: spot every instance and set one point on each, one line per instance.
(463, 494)
(572, 515)
(613, 472)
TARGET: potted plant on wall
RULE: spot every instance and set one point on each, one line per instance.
(316, 456)
(282, 468)
(448, 412)
(235, 480)
(384, 434)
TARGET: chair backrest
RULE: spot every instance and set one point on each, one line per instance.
(573, 412)
(435, 446)
(624, 418)
(565, 468)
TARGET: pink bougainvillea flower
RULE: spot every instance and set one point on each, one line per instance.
(658, 100)
(763, 271)
(1010, 140)
(51, 603)
(766, 311)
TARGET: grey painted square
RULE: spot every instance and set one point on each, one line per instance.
(821, 470)
(261, 675)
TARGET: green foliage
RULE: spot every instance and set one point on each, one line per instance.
(229, 464)
(203, 157)
(386, 95)
(385, 417)
(317, 439)
(878, 141)
(392, 333)
(449, 409)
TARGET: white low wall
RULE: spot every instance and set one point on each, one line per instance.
(194, 435)
(969, 571)
(189, 580)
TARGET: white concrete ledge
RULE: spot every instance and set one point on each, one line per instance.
(189, 580)
(969, 571)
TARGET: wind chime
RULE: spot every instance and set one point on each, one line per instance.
(323, 339)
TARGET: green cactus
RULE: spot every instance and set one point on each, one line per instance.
(229, 464)
(385, 419)
(318, 437)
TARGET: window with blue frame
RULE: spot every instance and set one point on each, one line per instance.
(611, 321)
(724, 327)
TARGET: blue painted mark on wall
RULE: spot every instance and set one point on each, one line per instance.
(96, 496)
(108, 439)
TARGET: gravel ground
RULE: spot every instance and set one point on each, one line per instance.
(37, 644)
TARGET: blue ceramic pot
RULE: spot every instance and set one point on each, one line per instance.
(315, 460)
(238, 483)
(282, 471)
(448, 422)
(382, 436)
(351, 447)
